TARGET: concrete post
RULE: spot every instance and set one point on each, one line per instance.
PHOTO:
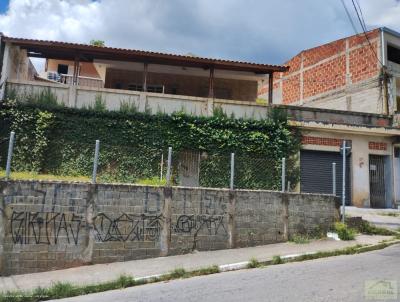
(166, 230)
(231, 219)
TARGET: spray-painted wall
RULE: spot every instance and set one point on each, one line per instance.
(54, 225)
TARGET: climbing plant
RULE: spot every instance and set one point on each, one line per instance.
(61, 140)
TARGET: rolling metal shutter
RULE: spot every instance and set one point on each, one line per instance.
(316, 173)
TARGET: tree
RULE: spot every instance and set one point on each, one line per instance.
(97, 43)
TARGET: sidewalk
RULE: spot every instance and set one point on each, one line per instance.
(140, 268)
(384, 218)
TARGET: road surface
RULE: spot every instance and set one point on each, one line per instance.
(331, 279)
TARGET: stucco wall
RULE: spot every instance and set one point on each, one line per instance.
(54, 225)
(362, 147)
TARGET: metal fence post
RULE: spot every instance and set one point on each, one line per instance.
(283, 174)
(161, 166)
(232, 170)
(9, 155)
(344, 181)
(168, 176)
(96, 161)
(334, 179)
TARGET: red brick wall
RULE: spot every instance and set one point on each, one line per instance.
(325, 67)
(317, 54)
(291, 89)
(363, 63)
(325, 77)
(377, 146)
(321, 141)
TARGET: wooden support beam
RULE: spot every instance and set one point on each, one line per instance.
(270, 87)
(211, 83)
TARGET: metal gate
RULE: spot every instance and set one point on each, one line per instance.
(377, 181)
(316, 173)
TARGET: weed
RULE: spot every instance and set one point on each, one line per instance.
(99, 103)
(369, 229)
(344, 232)
(253, 263)
(300, 239)
(276, 260)
(128, 107)
(124, 281)
(177, 273)
(154, 181)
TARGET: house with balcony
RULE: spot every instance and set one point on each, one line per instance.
(333, 93)
(78, 74)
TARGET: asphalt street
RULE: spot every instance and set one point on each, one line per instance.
(364, 277)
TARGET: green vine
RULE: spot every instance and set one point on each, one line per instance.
(61, 141)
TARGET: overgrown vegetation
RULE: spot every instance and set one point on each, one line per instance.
(253, 263)
(300, 239)
(60, 141)
(276, 260)
(370, 229)
(344, 232)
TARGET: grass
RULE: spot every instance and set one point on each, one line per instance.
(253, 263)
(276, 260)
(36, 176)
(393, 214)
(155, 181)
(300, 239)
(64, 290)
(344, 232)
(369, 229)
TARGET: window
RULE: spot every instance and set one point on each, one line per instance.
(62, 68)
(155, 88)
(393, 54)
(150, 88)
(135, 87)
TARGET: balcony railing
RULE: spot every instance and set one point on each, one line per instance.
(82, 81)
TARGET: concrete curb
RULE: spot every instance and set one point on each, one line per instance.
(291, 257)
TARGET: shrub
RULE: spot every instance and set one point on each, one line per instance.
(277, 260)
(344, 232)
(253, 263)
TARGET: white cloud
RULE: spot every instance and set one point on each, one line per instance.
(254, 30)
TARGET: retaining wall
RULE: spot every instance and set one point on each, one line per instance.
(53, 225)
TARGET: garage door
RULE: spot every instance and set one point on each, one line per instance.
(316, 173)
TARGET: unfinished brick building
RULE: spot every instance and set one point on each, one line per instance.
(357, 73)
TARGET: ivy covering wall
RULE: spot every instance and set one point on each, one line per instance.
(61, 141)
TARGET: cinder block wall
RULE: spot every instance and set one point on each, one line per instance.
(53, 225)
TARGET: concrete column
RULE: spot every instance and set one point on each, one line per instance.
(87, 253)
(285, 216)
(166, 230)
(210, 107)
(72, 96)
(231, 219)
(360, 170)
(5, 71)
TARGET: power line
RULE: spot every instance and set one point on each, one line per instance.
(364, 29)
(349, 17)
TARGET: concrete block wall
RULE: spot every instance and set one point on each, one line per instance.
(48, 225)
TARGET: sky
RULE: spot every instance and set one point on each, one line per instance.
(262, 31)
